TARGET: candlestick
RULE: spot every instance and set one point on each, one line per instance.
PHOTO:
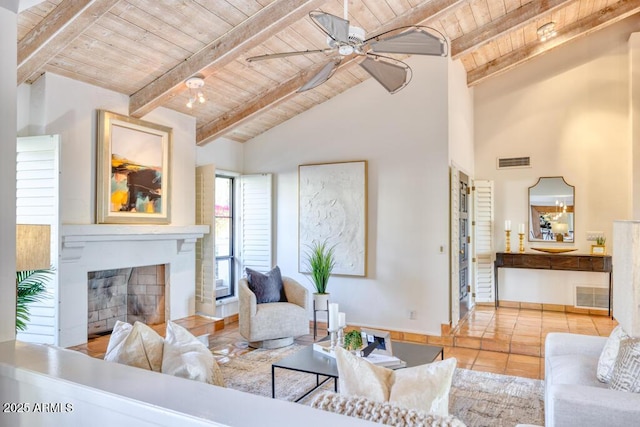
(334, 339)
(342, 320)
(521, 248)
(334, 318)
(521, 229)
(508, 241)
(507, 225)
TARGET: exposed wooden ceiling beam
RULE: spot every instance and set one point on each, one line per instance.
(59, 28)
(206, 133)
(235, 118)
(269, 21)
(513, 20)
(593, 22)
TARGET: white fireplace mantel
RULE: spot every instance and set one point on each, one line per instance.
(96, 247)
(76, 236)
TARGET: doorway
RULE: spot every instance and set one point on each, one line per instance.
(464, 242)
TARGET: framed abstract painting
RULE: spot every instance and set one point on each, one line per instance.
(333, 209)
(133, 171)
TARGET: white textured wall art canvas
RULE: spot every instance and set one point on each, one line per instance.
(333, 207)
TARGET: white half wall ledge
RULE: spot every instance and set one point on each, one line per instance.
(93, 392)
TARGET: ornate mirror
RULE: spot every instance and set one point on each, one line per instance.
(551, 210)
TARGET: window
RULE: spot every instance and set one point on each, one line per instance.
(224, 233)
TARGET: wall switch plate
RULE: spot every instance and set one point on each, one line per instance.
(412, 314)
(592, 236)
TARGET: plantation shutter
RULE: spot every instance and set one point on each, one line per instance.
(483, 232)
(256, 243)
(205, 247)
(37, 202)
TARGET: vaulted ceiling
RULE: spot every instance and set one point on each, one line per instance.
(146, 49)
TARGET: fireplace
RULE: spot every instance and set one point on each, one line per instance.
(96, 247)
(125, 294)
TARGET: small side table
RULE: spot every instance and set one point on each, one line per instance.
(315, 320)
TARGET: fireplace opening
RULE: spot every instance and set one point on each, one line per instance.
(126, 294)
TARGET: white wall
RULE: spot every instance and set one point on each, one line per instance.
(404, 138)
(68, 108)
(461, 116)
(634, 73)
(8, 121)
(223, 153)
(569, 111)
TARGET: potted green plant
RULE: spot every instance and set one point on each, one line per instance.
(320, 261)
(599, 248)
(353, 340)
(30, 287)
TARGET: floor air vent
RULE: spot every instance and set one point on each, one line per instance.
(592, 297)
(514, 162)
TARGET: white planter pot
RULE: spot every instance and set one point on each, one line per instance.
(321, 301)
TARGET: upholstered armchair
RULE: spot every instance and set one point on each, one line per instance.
(273, 324)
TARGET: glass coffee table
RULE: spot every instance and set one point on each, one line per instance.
(313, 362)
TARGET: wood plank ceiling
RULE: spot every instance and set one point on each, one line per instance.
(147, 48)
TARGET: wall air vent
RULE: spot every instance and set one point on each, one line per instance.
(592, 297)
(514, 162)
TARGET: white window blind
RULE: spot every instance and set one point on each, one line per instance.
(483, 231)
(37, 195)
(256, 243)
(205, 247)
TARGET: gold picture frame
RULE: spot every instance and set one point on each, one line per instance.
(133, 172)
(598, 250)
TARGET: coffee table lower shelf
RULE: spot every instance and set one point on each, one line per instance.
(318, 383)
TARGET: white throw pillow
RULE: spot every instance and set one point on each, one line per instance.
(121, 330)
(424, 387)
(358, 377)
(609, 354)
(186, 357)
(136, 345)
(625, 372)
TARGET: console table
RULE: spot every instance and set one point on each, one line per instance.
(562, 262)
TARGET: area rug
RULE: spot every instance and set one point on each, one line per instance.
(477, 398)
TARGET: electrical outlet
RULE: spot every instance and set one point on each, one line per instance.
(592, 236)
(412, 315)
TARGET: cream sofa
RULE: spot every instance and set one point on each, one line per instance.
(273, 324)
(573, 396)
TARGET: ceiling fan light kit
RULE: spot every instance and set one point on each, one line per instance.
(345, 40)
(195, 85)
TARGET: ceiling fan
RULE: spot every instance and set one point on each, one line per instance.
(345, 40)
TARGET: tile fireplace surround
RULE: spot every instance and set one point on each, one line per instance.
(87, 248)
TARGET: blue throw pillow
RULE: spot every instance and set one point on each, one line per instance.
(267, 287)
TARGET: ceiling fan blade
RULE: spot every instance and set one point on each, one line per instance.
(286, 54)
(333, 26)
(416, 41)
(392, 75)
(322, 76)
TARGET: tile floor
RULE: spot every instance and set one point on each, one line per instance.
(504, 340)
(511, 341)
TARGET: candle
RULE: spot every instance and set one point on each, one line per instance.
(342, 320)
(521, 229)
(507, 225)
(334, 318)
